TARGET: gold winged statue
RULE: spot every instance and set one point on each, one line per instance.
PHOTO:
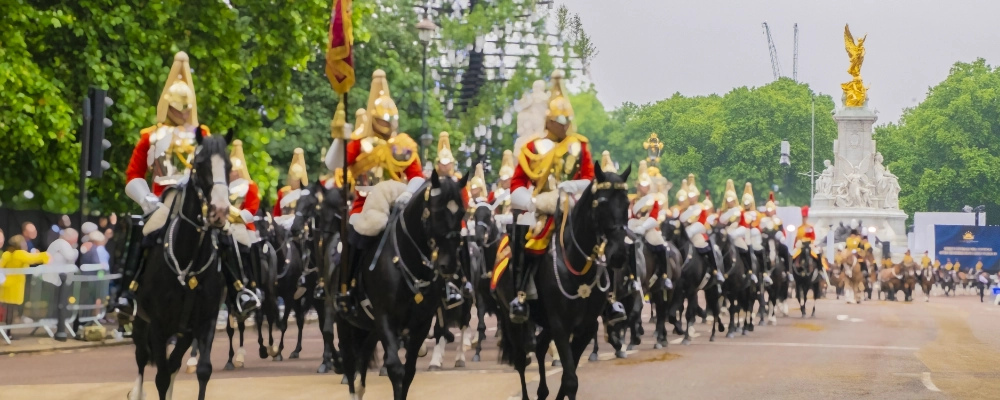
(855, 91)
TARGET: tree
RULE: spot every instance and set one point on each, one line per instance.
(945, 150)
(242, 54)
(736, 136)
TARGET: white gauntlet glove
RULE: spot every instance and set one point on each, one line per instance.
(574, 187)
(138, 190)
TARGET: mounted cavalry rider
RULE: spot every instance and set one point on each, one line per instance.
(166, 150)
(502, 189)
(385, 166)
(446, 164)
(288, 196)
(476, 188)
(557, 160)
(244, 197)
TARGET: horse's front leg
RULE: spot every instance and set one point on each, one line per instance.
(481, 329)
(204, 371)
(542, 342)
(300, 322)
(414, 341)
(140, 332)
(462, 347)
(390, 343)
(175, 359)
(230, 332)
(241, 354)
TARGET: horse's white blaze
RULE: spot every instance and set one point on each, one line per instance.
(136, 392)
(220, 192)
(438, 352)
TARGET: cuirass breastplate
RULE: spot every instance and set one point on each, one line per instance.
(171, 152)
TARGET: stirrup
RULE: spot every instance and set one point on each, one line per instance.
(246, 302)
(519, 311)
(126, 308)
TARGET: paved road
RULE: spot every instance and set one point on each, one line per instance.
(947, 348)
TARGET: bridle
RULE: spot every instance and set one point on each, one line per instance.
(597, 253)
(187, 275)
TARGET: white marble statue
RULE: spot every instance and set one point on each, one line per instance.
(886, 183)
(531, 110)
(824, 184)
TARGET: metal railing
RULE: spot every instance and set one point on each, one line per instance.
(49, 290)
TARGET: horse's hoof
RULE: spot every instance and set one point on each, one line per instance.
(229, 366)
(750, 327)
(630, 347)
(475, 358)
(639, 329)
(434, 368)
(556, 363)
(460, 364)
(240, 358)
(620, 354)
(730, 335)
(294, 355)
(343, 381)
(263, 353)
(744, 331)
(190, 369)
(686, 342)
(278, 358)
(593, 357)
(658, 346)
(383, 371)
(711, 339)
(273, 351)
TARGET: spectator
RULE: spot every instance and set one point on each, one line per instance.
(94, 252)
(62, 251)
(17, 256)
(29, 234)
(2, 276)
(55, 232)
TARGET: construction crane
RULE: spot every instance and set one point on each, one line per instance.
(795, 56)
(775, 65)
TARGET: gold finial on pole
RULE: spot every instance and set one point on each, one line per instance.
(339, 121)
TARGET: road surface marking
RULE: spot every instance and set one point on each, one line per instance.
(925, 378)
(820, 345)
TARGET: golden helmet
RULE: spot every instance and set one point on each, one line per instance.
(644, 178)
(749, 204)
(607, 165)
(381, 106)
(478, 180)
(444, 156)
(178, 92)
(507, 165)
(730, 199)
(560, 109)
(770, 206)
(707, 203)
(692, 189)
(360, 119)
(297, 171)
(682, 195)
(239, 162)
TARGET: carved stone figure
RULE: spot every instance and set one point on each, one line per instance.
(886, 184)
(531, 110)
(824, 184)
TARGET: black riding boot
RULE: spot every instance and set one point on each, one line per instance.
(245, 300)
(125, 307)
(523, 274)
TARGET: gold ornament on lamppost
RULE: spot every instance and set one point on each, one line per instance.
(653, 146)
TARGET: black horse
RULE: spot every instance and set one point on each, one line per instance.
(777, 264)
(182, 288)
(317, 229)
(268, 312)
(573, 282)
(402, 279)
(736, 285)
(698, 273)
(457, 314)
(487, 235)
(806, 270)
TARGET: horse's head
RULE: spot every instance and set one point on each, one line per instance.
(210, 174)
(440, 208)
(481, 223)
(605, 208)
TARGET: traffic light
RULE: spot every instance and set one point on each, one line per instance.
(98, 102)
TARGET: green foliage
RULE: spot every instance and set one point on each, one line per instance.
(945, 150)
(736, 136)
(242, 57)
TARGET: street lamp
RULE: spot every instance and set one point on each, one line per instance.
(653, 146)
(425, 31)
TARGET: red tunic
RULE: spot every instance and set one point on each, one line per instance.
(251, 203)
(521, 179)
(354, 150)
(276, 212)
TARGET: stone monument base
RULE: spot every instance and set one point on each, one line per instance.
(889, 224)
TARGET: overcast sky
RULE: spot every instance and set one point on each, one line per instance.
(650, 49)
